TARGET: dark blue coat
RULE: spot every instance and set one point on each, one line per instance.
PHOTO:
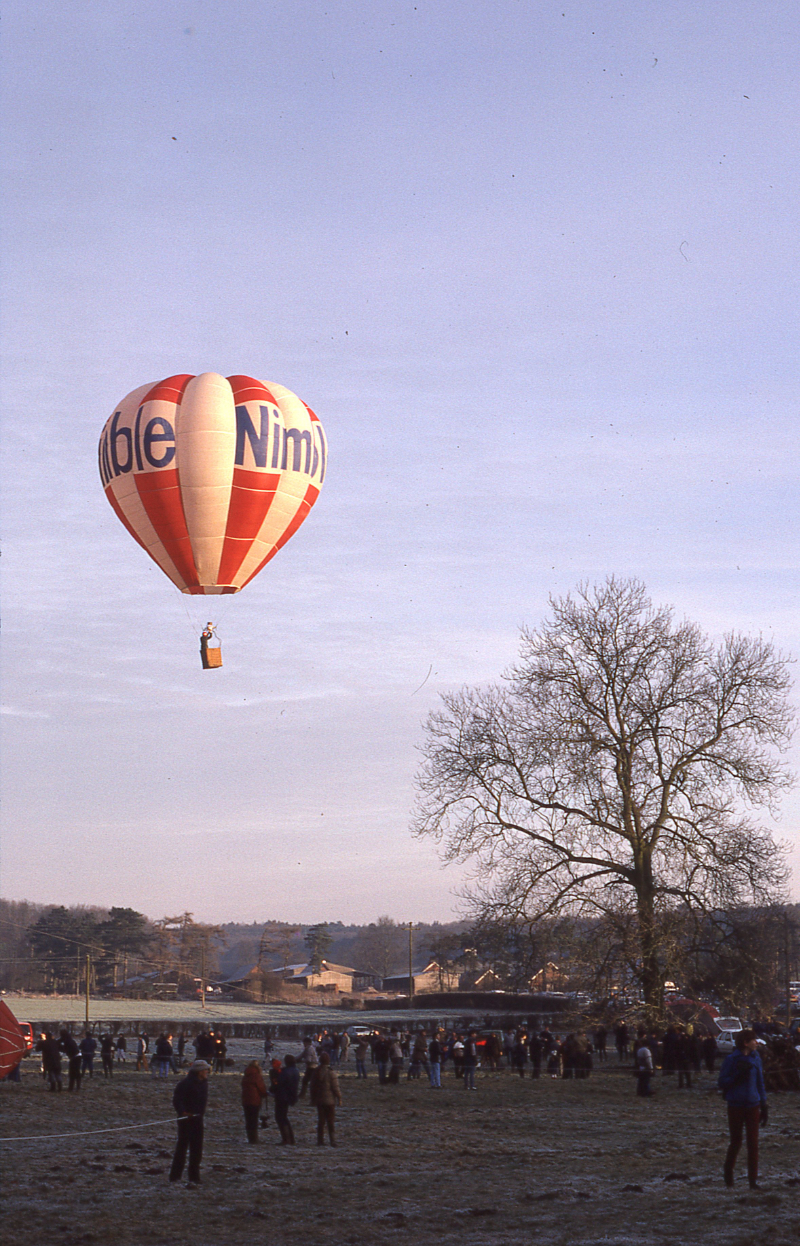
(741, 1079)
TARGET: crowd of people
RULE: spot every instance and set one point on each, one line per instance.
(396, 1054)
(681, 1050)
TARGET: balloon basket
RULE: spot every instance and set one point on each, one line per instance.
(212, 658)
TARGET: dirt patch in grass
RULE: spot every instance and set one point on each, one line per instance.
(567, 1163)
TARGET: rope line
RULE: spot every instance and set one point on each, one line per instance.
(85, 1133)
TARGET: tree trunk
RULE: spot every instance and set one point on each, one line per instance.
(651, 973)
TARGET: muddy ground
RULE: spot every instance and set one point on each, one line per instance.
(562, 1162)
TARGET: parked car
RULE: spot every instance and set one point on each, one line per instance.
(729, 1027)
(26, 1030)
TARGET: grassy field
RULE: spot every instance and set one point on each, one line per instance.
(562, 1162)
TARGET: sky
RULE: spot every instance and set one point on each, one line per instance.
(532, 264)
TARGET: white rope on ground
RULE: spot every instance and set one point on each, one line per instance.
(86, 1133)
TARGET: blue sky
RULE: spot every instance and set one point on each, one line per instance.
(534, 267)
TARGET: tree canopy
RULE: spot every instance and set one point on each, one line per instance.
(615, 772)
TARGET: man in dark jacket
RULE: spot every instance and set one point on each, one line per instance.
(72, 1051)
(189, 1101)
(88, 1046)
(470, 1060)
(380, 1050)
(286, 1091)
(51, 1059)
(205, 1046)
(107, 1049)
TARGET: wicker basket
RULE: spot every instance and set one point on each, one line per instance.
(212, 658)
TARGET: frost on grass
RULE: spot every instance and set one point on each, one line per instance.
(517, 1161)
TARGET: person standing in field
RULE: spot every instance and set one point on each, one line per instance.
(51, 1059)
(741, 1079)
(88, 1046)
(362, 1047)
(519, 1053)
(395, 1059)
(254, 1092)
(710, 1052)
(644, 1066)
(435, 1058)
(684, 1060)
(535, 1053)
(380, 1054)
(72, 1051)
(162, 1060)
(107, 1049)
(325, 1096)
(190, 1100)
(286, 1092)
(470, 1060)
(308, 1056)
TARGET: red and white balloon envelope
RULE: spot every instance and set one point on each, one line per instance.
(212, 475)
(12, 1043)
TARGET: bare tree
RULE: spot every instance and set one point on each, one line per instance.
(381, 947)
(612, 773)
(277, 942)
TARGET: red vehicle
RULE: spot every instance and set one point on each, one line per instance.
(26, 1030)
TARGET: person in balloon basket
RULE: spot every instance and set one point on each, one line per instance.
(189, 1100)
(741, 1080)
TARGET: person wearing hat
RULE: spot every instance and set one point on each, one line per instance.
(189, 1101)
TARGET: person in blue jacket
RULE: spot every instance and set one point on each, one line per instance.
(741, 1079)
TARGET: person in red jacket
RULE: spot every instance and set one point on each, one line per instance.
(254, 1092)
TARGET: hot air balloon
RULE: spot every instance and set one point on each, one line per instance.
(212, 475)
(12, 1043)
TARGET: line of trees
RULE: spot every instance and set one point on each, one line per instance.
(52, 948)
(743, 958)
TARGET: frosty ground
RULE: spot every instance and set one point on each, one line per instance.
(562, 1162)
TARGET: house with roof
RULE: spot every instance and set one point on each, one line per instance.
(431, 977)
(329, 977)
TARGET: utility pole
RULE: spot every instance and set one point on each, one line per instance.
(203, 977)
(410, 964)
(88, 976)
(787, 967)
